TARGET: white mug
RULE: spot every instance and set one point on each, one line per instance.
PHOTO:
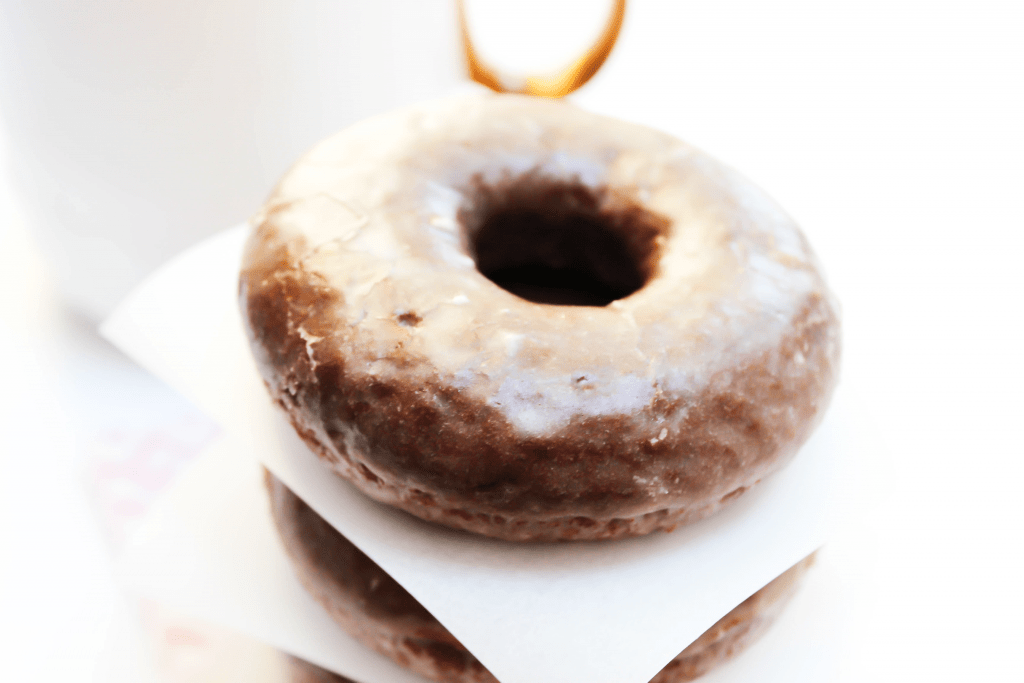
(136, 128)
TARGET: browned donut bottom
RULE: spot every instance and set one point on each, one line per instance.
(370, 605)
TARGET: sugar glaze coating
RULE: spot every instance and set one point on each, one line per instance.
(436, 390)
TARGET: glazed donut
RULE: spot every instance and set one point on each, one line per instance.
(365, 601)
(513, 317)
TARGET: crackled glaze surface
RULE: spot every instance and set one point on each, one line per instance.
(373, 607)
(436, 390)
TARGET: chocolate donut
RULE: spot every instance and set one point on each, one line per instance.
(365, 601)
(301, 671)
(513, 317)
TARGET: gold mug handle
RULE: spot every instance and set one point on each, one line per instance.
(558, 85)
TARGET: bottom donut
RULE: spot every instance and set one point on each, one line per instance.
(371, 606)
(301, 671)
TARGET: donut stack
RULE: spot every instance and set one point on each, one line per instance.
(518, 319)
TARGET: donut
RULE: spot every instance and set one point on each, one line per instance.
(514, 317)
(301, 671)
(365, 601)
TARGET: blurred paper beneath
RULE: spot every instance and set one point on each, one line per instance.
(209, 549)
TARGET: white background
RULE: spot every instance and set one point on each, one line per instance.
(890, 130)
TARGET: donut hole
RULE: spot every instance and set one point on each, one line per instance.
(553, 241)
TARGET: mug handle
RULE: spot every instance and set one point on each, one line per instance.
(559, 84)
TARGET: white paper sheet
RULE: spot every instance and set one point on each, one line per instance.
(572, 613)
(209, 549)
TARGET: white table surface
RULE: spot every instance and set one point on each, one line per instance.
(899, 151)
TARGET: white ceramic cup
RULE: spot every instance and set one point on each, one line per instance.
(136, 128)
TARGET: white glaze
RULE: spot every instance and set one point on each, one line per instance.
(377, 207)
